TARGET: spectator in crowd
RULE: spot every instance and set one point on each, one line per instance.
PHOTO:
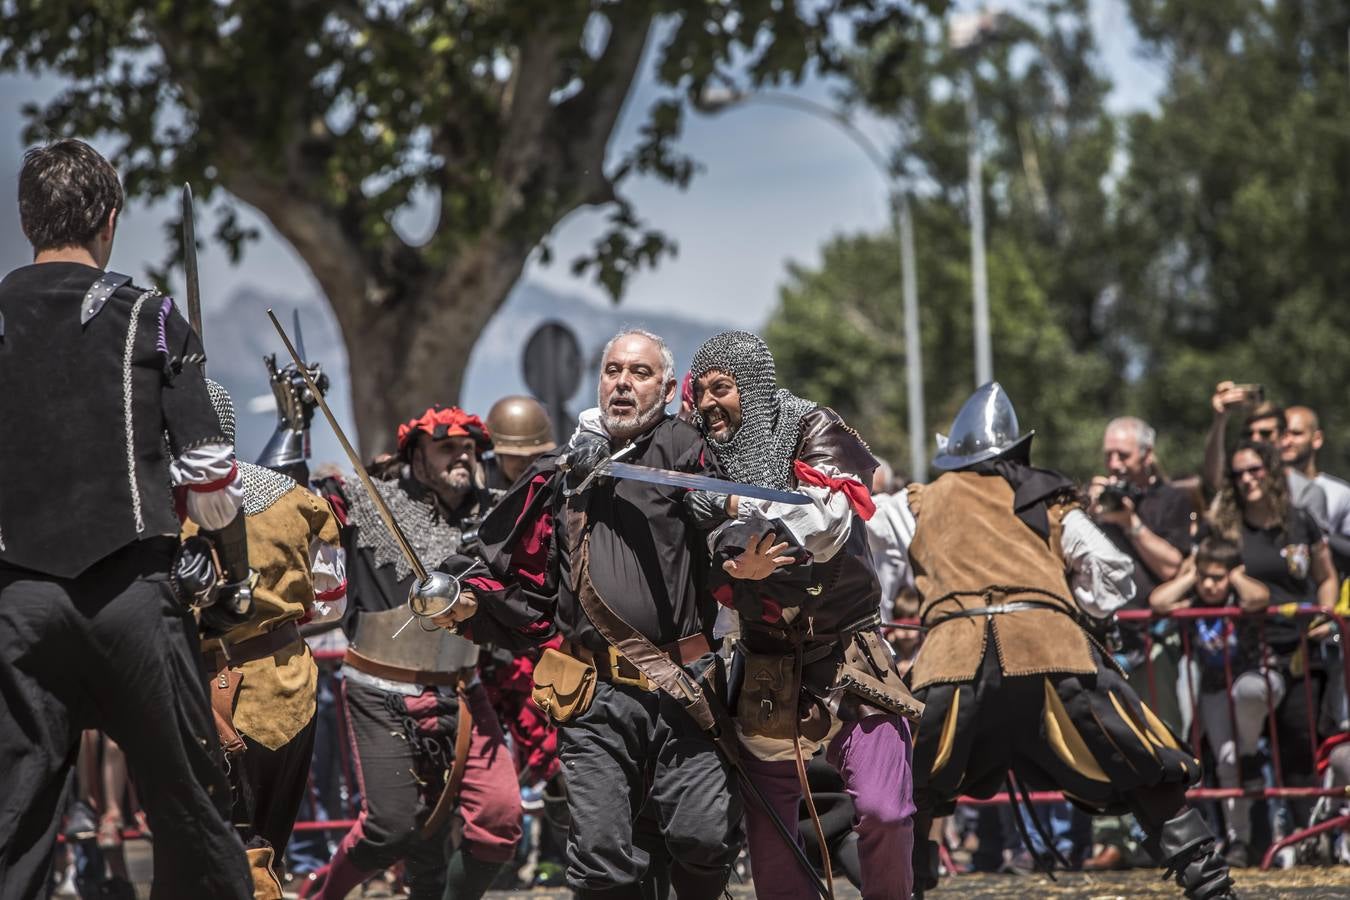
(1299, 445)
(1298, 450)
(1150, 521)
(1265, 423)
(1222, 649)
(885, 540)
(1285, 550)
(1281, 546)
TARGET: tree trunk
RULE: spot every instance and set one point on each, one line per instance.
(406, 358)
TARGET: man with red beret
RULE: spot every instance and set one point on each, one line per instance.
(424, 733)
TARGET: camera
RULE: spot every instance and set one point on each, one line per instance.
(1114, 493)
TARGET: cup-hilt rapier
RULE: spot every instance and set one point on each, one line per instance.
(381, 507)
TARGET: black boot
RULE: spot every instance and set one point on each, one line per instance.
(1186, 849)
(926, 865)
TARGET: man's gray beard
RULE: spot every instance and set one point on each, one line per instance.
(627, 429)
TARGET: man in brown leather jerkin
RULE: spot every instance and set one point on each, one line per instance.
(263, 678)
(620, 568)
(1006, 565)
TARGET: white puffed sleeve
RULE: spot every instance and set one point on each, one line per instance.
(1102, 577)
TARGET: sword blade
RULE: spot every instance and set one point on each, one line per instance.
(375, 497)
(194, 290)
(702, 483)
(299, 335)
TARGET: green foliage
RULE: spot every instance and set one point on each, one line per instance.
(1046, 141)
(498, 110)
(1233, 215)
(330, 117)
(1132, 265)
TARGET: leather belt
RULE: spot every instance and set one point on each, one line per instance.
(227, 655)
(615, 668)
(398, 673)
(997, 609)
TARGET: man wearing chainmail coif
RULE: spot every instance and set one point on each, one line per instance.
(263, 679)
(812, 667)
(424, 731)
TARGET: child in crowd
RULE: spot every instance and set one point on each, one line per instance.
(1225, 651)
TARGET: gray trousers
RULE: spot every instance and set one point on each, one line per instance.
(637, 755)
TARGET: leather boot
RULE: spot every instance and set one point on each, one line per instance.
(1186, 849)
(266, 885)
(927, 862)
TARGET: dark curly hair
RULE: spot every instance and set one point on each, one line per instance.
(1226, 513)
(66, 193)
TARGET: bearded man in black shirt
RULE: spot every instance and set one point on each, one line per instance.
(598, 558)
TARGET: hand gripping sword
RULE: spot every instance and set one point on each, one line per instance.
(194, 289)
(450, 586)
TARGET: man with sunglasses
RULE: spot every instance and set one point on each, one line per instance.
(1299, 447)
(1265, 423)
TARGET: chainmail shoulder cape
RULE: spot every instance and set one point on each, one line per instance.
(763, 449)
(431, 536)
(263, 487)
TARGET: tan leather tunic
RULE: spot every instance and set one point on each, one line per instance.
(971, 550)
(277, 696)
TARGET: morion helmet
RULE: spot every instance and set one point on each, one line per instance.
(985, 428)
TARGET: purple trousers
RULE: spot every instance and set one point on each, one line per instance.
(874, 756)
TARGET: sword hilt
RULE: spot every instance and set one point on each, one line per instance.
(596, 472)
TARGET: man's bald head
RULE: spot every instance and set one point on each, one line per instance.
(1301, 440)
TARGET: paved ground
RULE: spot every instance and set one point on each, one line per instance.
(1301, 883)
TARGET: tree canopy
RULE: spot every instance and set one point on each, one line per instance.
(1133, 262)
(331, 117)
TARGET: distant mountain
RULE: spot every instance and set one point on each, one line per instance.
(238, 335)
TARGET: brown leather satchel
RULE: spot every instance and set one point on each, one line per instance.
(564, 686)
(767, 704)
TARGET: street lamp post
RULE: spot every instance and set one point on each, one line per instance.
(979, 280)
(715, 100)
(968, 32)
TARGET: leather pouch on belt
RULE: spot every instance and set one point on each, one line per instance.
(224, 691)
(868, 673)
(563, 685)
(767, 704)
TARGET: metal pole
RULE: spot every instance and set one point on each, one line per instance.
(984, 364)
(918, 442)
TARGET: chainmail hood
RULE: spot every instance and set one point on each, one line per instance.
(763, 448)
(224, 407)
